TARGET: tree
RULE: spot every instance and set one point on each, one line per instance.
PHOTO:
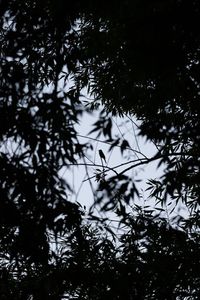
(48, 250)
(146, 63)
(37, 138)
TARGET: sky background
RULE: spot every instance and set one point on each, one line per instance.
(121, 127)
(77, 176)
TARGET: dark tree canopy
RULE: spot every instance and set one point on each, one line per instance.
(143, 59)
(139, 58)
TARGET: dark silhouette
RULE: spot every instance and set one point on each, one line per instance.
(137, 57)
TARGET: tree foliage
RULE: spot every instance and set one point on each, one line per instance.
(139, 58)
(143, 59)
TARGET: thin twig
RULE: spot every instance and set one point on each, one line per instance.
(110, 144)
